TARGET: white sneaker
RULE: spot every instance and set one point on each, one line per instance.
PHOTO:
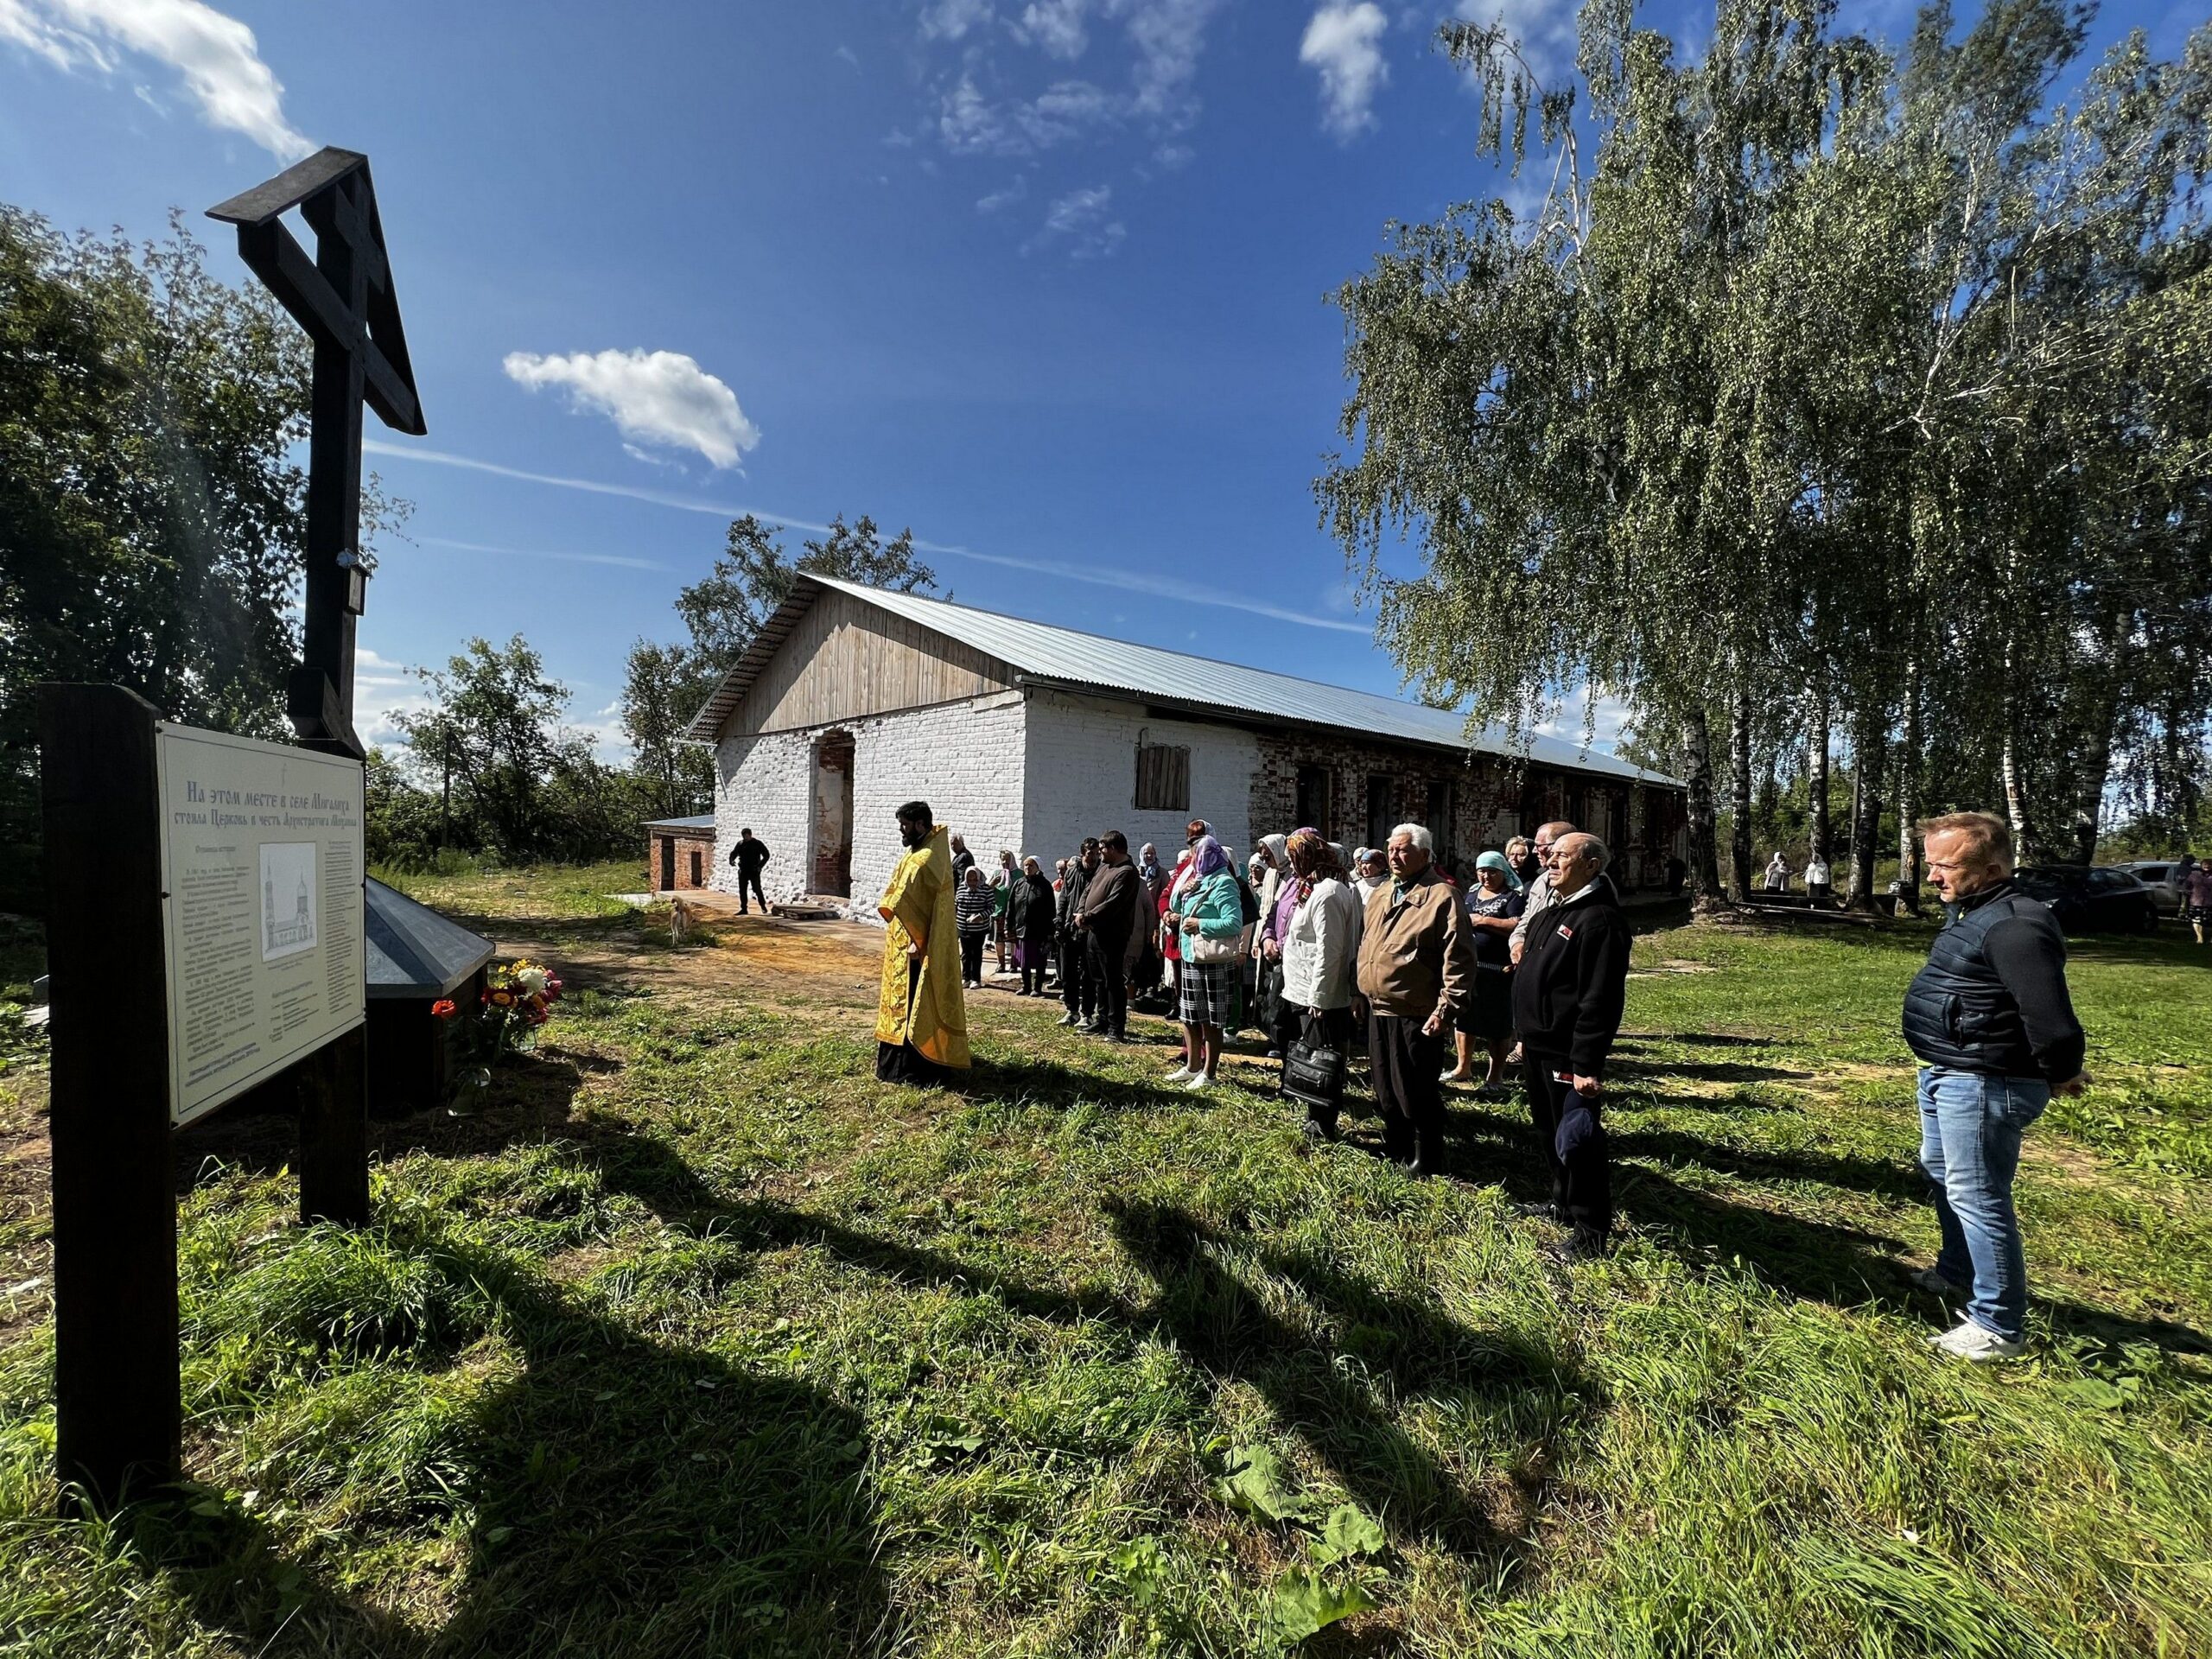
(1199, 1083)
(1977, 1345)
(1929, 1280)
(1180, 1074)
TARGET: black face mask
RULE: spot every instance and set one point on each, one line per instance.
(912, 834)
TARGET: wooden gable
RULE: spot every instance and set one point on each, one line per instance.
(845, 659)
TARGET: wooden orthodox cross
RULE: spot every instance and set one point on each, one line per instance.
(344, 298)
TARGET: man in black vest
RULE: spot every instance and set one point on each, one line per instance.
(1568, 995)
(1991, 1021)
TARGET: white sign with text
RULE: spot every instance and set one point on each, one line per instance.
(262, 896)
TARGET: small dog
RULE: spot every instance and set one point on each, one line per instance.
(679, 920)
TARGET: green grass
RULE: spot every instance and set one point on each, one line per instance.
(700, 1341)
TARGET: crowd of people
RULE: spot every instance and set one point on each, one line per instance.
(1383, 950)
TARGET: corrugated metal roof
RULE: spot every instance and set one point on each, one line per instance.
(1068, 656)
(705, 821)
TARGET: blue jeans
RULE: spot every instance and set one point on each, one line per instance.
(1970, 1128)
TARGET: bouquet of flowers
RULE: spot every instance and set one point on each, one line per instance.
(518, 998)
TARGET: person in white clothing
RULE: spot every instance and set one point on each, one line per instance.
(1320, 955)
(1778, 873)
(1818, 881)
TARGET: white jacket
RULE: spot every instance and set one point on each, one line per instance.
(1321, 949)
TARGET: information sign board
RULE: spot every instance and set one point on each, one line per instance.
(264, 934)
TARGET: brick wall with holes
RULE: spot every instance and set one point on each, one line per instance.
(681, 863)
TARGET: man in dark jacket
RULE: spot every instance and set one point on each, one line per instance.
(1107, 912)
(750, 856)
(1078, 991)
(1992, 1025)
(1567, 993)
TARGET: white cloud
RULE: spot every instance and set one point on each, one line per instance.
(971, 124)
(662, 397)
(1005, 198)
(620, 561)
(216, 55)
(382, 689)
(950, 20)
(849, 56)
(1125, 577)
(1173, 157)
(1168, 36)
(1341, 42)
(1054, 28)
(1079, 218)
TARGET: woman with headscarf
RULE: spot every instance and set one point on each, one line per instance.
(1209, 920)
(1031, 910)
(1321, 956)
(1494, 905)
(1278, 1020)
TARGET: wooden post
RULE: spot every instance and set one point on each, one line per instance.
(333, 1097)
(117, 1395)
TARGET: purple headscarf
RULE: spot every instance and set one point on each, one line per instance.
(1207, 857)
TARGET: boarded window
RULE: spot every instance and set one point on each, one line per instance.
(1163, 778)
(1440, 820)
(1382, 808)
(1316, 807)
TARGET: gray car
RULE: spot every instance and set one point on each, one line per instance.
(2160, 874)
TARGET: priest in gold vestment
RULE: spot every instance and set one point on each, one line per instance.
(921, 1024)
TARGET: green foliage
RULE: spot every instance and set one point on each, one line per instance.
(1305, 1603)
(1825, 376)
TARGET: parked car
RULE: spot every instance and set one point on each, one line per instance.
(2100, 900)
(2161, 876)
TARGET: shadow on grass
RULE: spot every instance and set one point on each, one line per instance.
(629, 1498)
(1309, 1376)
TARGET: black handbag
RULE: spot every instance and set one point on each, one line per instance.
(1313, 1075)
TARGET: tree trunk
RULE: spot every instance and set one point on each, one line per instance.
(2096, 753)
(2016, 783)
(1867, 749)
(1816, 775)
(1697, 751)
(1739, 791)
(1908, 871)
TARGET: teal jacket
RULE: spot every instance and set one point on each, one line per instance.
(1214, 902)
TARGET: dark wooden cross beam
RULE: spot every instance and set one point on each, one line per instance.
(344, 298)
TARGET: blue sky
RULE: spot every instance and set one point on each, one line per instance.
(1044, 280)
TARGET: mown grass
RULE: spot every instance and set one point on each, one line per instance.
(707, 1342)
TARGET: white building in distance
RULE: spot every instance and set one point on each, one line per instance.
(1026, 736)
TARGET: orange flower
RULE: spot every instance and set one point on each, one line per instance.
(503, 999)
(442, 1008)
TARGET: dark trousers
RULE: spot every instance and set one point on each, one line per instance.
(971, 955)
(1573, 1137)
(1330, 1029)
(1077, 993)
(1406, 1063)
(1281, 1020)
(1033, 952)
(749, 879)
(1108, 966)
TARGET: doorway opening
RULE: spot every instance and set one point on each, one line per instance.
(833, 814)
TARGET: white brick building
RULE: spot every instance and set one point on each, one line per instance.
(1030, 737)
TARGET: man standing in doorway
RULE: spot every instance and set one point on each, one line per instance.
(1568, 995)
(1109, 909)
(750, 857)
(1416, 960)
(921, 1023)
(1078, 991)
(1990, 1019)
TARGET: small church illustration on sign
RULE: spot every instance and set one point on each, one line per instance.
(287, 926)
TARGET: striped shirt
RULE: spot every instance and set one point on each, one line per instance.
(971, 909)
